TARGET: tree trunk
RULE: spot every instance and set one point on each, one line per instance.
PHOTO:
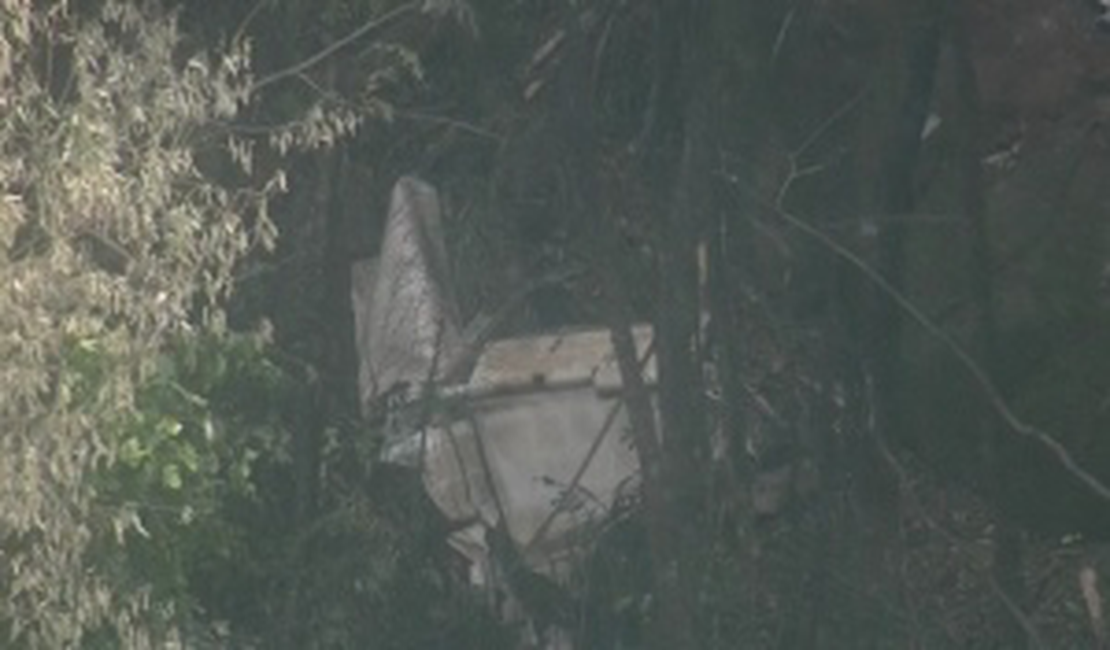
(675, 149)
(900, 100)
(1008, 543)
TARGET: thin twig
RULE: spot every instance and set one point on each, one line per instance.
(986, 384)
(587, 460)
(1012, 607)
(780, 39)
(247, 21)
(332, 48)
(796, 172)
(443, 120)
(836, 116)
(487, 471)
(484, 327)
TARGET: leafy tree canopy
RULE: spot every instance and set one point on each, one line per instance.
(116, 243)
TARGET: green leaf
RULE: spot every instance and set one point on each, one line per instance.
(168, 428)
(171, 477)
(189, 457)
(131, 452)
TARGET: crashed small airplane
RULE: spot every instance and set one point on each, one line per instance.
(527, 435)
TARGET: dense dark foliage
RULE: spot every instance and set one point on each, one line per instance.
(870, 237)
(899, 247)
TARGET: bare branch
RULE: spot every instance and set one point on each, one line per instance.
(587, 460)
(978, 374)
(332, 48)
(1027, 625)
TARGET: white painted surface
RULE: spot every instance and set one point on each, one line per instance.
(405, 314)
(538, 411)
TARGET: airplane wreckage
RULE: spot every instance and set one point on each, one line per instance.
(519, 442)
(527, 446)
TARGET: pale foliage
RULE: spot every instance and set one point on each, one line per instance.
(113, 240)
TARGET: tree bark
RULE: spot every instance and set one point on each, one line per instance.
(675, 162)
(890, 143)
(667, 458)
(1008, 543)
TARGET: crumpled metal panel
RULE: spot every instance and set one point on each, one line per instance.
(555, 360)
(539, 437)
(550, 461)
(406, 317)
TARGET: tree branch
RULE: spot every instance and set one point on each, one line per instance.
(978, 374)
(298, 68)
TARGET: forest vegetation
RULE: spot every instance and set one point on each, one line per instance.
(871, 237)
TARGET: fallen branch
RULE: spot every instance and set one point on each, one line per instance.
(980, 376)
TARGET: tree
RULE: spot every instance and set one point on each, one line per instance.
(117, 241)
